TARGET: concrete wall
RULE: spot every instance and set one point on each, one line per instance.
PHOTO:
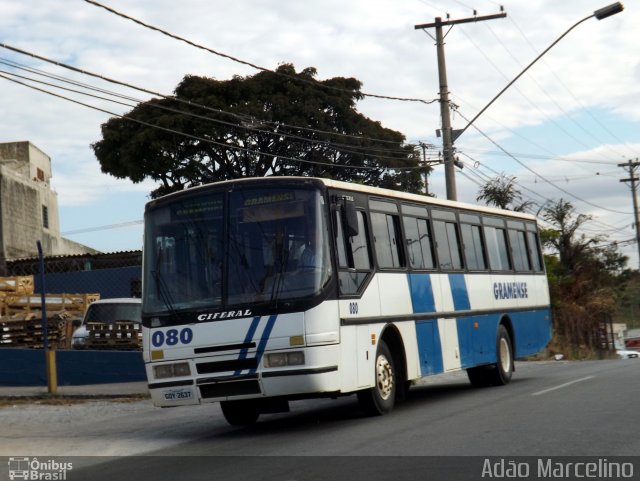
(25, 190)
(26, 367)
(20, 209)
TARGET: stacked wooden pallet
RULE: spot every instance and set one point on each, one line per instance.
(17, 285)
(121, 335)
(28, 331)
(11, 287)
(21, 314)
(74, 304)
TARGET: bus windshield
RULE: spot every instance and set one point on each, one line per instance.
(225, 249)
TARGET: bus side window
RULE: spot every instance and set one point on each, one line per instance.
(360, 245)
(497, 248)
(354, 260)
(448, 245)
(343, 261)
(473, 247)
(534, 252)
(419, 243)
(386, 237)
(519, 250)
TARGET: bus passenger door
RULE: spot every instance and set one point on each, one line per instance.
(450, 347)
(365, 354)
(447, 327)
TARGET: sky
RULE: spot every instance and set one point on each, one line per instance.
(561, 129)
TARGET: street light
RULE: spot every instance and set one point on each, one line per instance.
(599, 14)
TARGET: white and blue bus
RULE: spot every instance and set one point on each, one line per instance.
(265, 290)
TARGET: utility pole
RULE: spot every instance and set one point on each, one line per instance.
(425, 163)
(445, 111)
(631, 167)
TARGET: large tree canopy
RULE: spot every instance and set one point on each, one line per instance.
(282, 123)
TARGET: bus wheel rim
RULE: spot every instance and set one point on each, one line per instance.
(505, 355)
(384, 377)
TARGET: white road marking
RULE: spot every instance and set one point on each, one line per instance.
(561, 386)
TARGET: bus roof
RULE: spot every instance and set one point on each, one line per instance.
(337, 184)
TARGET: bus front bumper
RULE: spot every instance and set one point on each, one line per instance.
(319, 376)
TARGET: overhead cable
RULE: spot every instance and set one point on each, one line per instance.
(249, 64)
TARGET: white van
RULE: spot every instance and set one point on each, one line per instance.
(110, 324)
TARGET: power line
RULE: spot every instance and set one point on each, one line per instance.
(609, 229)
(551, 156)
(554, 157)
(242, 117)
(541, 176)
(544, 91)
(545, 199)
(343, 148)
(533, 104)
(249, 64)
(103, 227)
(576, 99)
(213, 142)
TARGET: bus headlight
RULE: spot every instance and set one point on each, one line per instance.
(171, 370)
(282, 359)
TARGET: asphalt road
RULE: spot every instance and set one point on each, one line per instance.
(550, 409)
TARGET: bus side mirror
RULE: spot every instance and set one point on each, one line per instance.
(350, 218)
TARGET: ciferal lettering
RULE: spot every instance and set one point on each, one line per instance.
(212, 316)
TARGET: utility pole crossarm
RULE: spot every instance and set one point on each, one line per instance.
(462, 20)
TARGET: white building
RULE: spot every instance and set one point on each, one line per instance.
(28, 205)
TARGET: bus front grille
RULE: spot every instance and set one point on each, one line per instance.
(227, 366)
(230, 387)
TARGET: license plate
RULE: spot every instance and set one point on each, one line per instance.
(183, 394)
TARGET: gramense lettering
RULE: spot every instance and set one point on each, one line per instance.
(510, 290)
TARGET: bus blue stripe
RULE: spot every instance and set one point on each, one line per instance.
(248, 338)
(421, 293)
(459, 292)
(429, 347)
(263, 340)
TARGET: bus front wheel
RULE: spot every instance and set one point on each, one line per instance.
(241, 413)
(381, 398)
(500, 373)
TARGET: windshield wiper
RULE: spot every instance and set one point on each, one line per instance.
(165, 295)
(280, 271)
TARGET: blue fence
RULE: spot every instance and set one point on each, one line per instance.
(26, 367)
(115, 282)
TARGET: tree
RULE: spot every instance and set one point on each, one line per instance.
(563, 236)
(585, 281)
(271, 123)
(501, 191)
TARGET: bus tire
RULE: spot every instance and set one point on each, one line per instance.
(500, 373)
(504, 367)
(381, 398)
(241, 413)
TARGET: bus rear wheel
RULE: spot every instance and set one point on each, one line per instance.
(500, 373)
(241, 413)
(381, 398)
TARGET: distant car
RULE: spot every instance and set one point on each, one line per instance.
(628, 354)
(110, 324)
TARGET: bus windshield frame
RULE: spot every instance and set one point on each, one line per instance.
(233, 249)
